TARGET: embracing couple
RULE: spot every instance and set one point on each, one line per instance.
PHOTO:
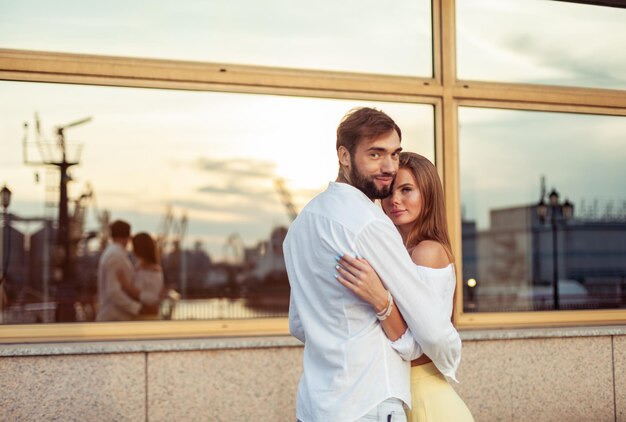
(372, 286)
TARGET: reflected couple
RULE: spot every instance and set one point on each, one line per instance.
(126, 293)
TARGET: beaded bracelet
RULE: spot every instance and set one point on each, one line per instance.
(387, 311)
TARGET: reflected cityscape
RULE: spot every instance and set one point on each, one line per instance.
(513, 265)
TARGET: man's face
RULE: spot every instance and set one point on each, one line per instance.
(374, 164)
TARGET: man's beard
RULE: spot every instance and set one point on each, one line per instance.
(367, 185)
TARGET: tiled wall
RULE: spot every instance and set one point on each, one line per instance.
(73, 388)
(553, 379)
(217, 385)
(547, 379)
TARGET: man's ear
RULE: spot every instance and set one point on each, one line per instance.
(344, 156)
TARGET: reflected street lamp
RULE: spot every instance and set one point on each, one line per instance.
(557, 212)
(5, 194)
(5, 199)
(471, 293)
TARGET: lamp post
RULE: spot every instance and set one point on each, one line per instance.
(558, 212)
(5, 199)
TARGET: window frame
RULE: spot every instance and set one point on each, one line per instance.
(443, 91)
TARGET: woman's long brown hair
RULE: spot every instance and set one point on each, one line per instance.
(145, 248)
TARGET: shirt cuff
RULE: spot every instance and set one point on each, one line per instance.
(407, 347)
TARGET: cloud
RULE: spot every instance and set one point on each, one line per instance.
(582, 68)
(248, 193)
(504, 153)
(245, 178)
(241, 167)
(494, 43)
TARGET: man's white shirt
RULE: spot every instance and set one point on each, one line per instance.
(349, 364)
(113, 303)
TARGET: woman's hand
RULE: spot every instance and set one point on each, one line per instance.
(359, 276)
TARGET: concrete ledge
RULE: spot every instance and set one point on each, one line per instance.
(145, 346)
(554, 332)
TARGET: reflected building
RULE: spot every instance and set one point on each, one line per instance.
(198, 266)
(470, 261)
(27, 278)
(188, 270)
(16, 263)
(512, 262)
(266, 283)
(41, 244)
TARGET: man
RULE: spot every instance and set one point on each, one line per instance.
(114, 304)
(351, 370)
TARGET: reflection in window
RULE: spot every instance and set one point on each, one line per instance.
(214, 178)
(351, 35)
(542, 200)
(516, 41)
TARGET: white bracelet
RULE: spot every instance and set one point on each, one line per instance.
(389, 299)
(387, 311)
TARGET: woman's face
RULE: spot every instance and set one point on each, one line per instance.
(405, 203)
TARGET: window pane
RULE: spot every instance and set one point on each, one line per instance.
(156, 158)
(352, 35)
(541, 42)
(510, 255)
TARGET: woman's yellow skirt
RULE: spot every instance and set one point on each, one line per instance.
(433, 399)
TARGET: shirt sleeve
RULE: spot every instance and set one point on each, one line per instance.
(114, 289)
(295, 324)
(422, 308)
(407, 347)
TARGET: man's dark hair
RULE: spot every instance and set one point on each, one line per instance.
(363, 123)
(119, 229)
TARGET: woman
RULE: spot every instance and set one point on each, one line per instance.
(147, 283)
(416, 207)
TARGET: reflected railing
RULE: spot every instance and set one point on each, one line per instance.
(541, 300)
(170, 309)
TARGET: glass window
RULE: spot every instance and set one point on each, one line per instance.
(353, 35)
(569, 253)
(214, 178)
(518, 41)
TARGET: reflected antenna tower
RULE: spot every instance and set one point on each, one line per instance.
(56, 154)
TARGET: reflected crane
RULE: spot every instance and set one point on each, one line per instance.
(175, 231)
(285, 197)
(234, 249)
(164, 231)
(102, 217)
(170, 229)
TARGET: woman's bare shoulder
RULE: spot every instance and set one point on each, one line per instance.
(430, 253)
